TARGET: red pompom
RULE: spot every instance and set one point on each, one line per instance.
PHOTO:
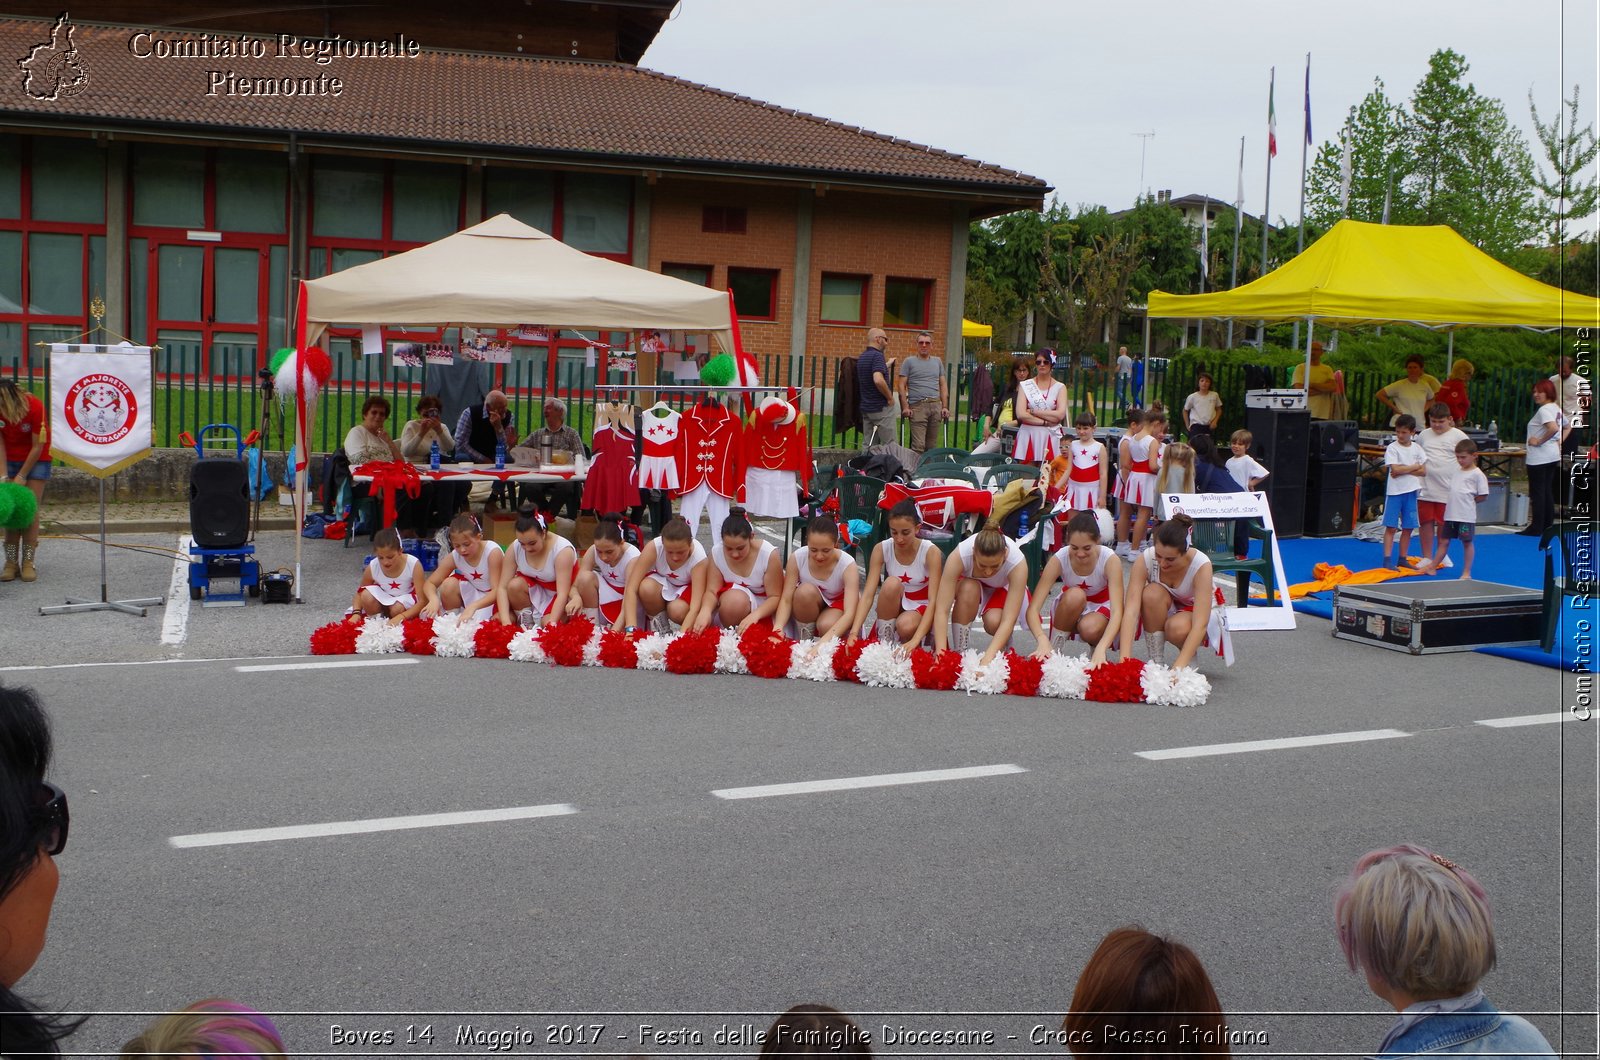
(935, 673)
(766, 654)
(1023, 674)
(417, 636)
(336, 638)
(618, 650)
(319, 364)
(1116, 682)
(564, 643)
(492, 639)
(845, 658)
(694, 653)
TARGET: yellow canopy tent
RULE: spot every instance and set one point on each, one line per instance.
(972, 330)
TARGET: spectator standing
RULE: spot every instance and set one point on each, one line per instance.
(1138, 380)
(1124, 376)
(1572, 390)
(879, 420)
(26, 435)
(1145, 995)
(1406, 463)
(1202, 410)
(1411, 395)
(921, 386)
(1439, 443)
(480, 428)
(1453, 393)
(1242, 467)
(1321, 389)
(1469, 487)
(1544, 457)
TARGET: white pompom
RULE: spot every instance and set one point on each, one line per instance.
(730, 660)
(652, 651)
(1065, 677)
(1167, 687)
(525, 647)
(287, 381)
(990, 681)
(378, 637)
(591, 650)
(813, 660)
(453, 637)
(884, 666)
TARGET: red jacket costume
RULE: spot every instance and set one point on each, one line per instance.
(778, 446)
(709, 451)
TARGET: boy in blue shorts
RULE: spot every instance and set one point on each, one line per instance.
(1407, 465)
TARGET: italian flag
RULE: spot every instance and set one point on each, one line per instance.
(1272, 118)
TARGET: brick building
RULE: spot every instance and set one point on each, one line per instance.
(189, 167)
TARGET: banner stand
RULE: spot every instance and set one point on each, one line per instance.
(105, 603)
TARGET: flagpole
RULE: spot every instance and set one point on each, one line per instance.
(1305, 148)
(1266, 201)
(1238, 233)
(1205, 248)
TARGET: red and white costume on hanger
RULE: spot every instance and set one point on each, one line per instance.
(710, 464)
(1083, 479)
(473, 578)
(1143, 455)
(612, 483)
(658, 469)
(613, 580)
(831, 587)
(542, 579)
(1182, 599)
(913, 578)
(1035, 443)
(1096, 585)
(676, 582)
(400, 589)
(777, 456)
(754, 584)
(997, 586)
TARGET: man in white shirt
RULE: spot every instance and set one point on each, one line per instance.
(1124, 376)
(1572, 390)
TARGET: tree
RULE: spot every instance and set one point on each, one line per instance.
(1570, 151)
(1379, 166)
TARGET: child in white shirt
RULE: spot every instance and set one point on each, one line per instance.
(1469, 487)
(1407, 465)
(1244, 468)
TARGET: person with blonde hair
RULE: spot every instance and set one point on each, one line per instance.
(26, 434)
(1453, 392)
(1176, 475)
(213, 1027)
(1419, 927)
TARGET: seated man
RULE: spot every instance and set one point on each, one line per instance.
(480, 428)
(553, 496)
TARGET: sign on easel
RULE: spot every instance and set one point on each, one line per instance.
(1269, 615)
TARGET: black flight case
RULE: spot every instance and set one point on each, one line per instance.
(1424, 616)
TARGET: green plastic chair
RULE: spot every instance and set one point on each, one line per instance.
(858, 499)
(1214, 537)
(1002, 475)
(947, 471)
(944, 455)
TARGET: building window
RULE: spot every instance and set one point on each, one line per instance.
(529, 195)
(844, 299)
(169, 187)
(906, 302)
(596, 213)
(251, 191)
(76, 188)
(727, 220)
(755, 293)
(427, 202)
(347, 198)
(700, 274)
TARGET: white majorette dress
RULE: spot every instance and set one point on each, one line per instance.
(754, 584)
(997, 585)
(613, 581)
(401, 589)
(1083, 480)
(1095, 585)
(1036, 444)
(831, 587)
(658, 468)
(541, 580)
(1217, 636)
(676, 582)
(1139, 488)
(473, 578)
(913, 579)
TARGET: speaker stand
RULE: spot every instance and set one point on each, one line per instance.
(139, 608)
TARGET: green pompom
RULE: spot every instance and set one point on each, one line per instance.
(19, 506)
(718, 371)
(278, 359)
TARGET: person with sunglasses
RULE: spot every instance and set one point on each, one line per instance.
(33, 831)
(1041, 408)
(921, 386)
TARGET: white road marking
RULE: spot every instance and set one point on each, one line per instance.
(146, 662)
(1527, 719)
(763, 531)
(1203, 750)
(884, 780)
(340, 665)
(376, 824)
(175, 622)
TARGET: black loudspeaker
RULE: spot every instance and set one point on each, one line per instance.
(219, 503)
(1282, 444)
(1334, 439)
(1330, 498)
(1258, 377)
(1288, 505)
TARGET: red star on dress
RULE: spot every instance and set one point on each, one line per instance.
(394, 585)
(906, 577)
(475, 575)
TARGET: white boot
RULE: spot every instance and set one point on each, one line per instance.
(592, 614)
(1156, 647)
(1059, 638)
(958, 637)
(661, 624)
(806, 630)
(886, 631)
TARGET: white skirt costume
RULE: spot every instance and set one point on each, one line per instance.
(658, 467)
(1083, 480)
(754, 584)
(676, 582)
(1096, 585)
(1036, 444)
(1140, 486)
(541, 580)
(913, 578)
(997, 586)
(831, 587)
(774, 494)
(1182, 599)
(613, 581)
(400, 589)
(473, 578)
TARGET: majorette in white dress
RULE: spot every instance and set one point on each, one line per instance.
(1083, 480)
(541, 580)
(1140, 486)
(473, 578)
(1095, 585)
(613, 581)
(997, 586)
(913, 579)
(676, 582)
(1182, 594)
(400, 589)
(658, 467)
(831, 587)
(1036, 443)
(754, 584)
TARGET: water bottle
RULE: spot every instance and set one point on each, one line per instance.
(1022, 524)
(500, 455)
(433, 455)
(1494, 434)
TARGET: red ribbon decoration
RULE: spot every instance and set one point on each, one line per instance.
(389, 476)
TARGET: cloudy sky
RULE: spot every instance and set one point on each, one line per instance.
(1059, 88)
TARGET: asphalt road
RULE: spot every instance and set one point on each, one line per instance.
(979, 896)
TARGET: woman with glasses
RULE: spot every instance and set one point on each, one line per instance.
(1041, 407)
(33, 830)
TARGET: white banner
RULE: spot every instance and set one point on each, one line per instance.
(101, 413)
(1279, 615)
